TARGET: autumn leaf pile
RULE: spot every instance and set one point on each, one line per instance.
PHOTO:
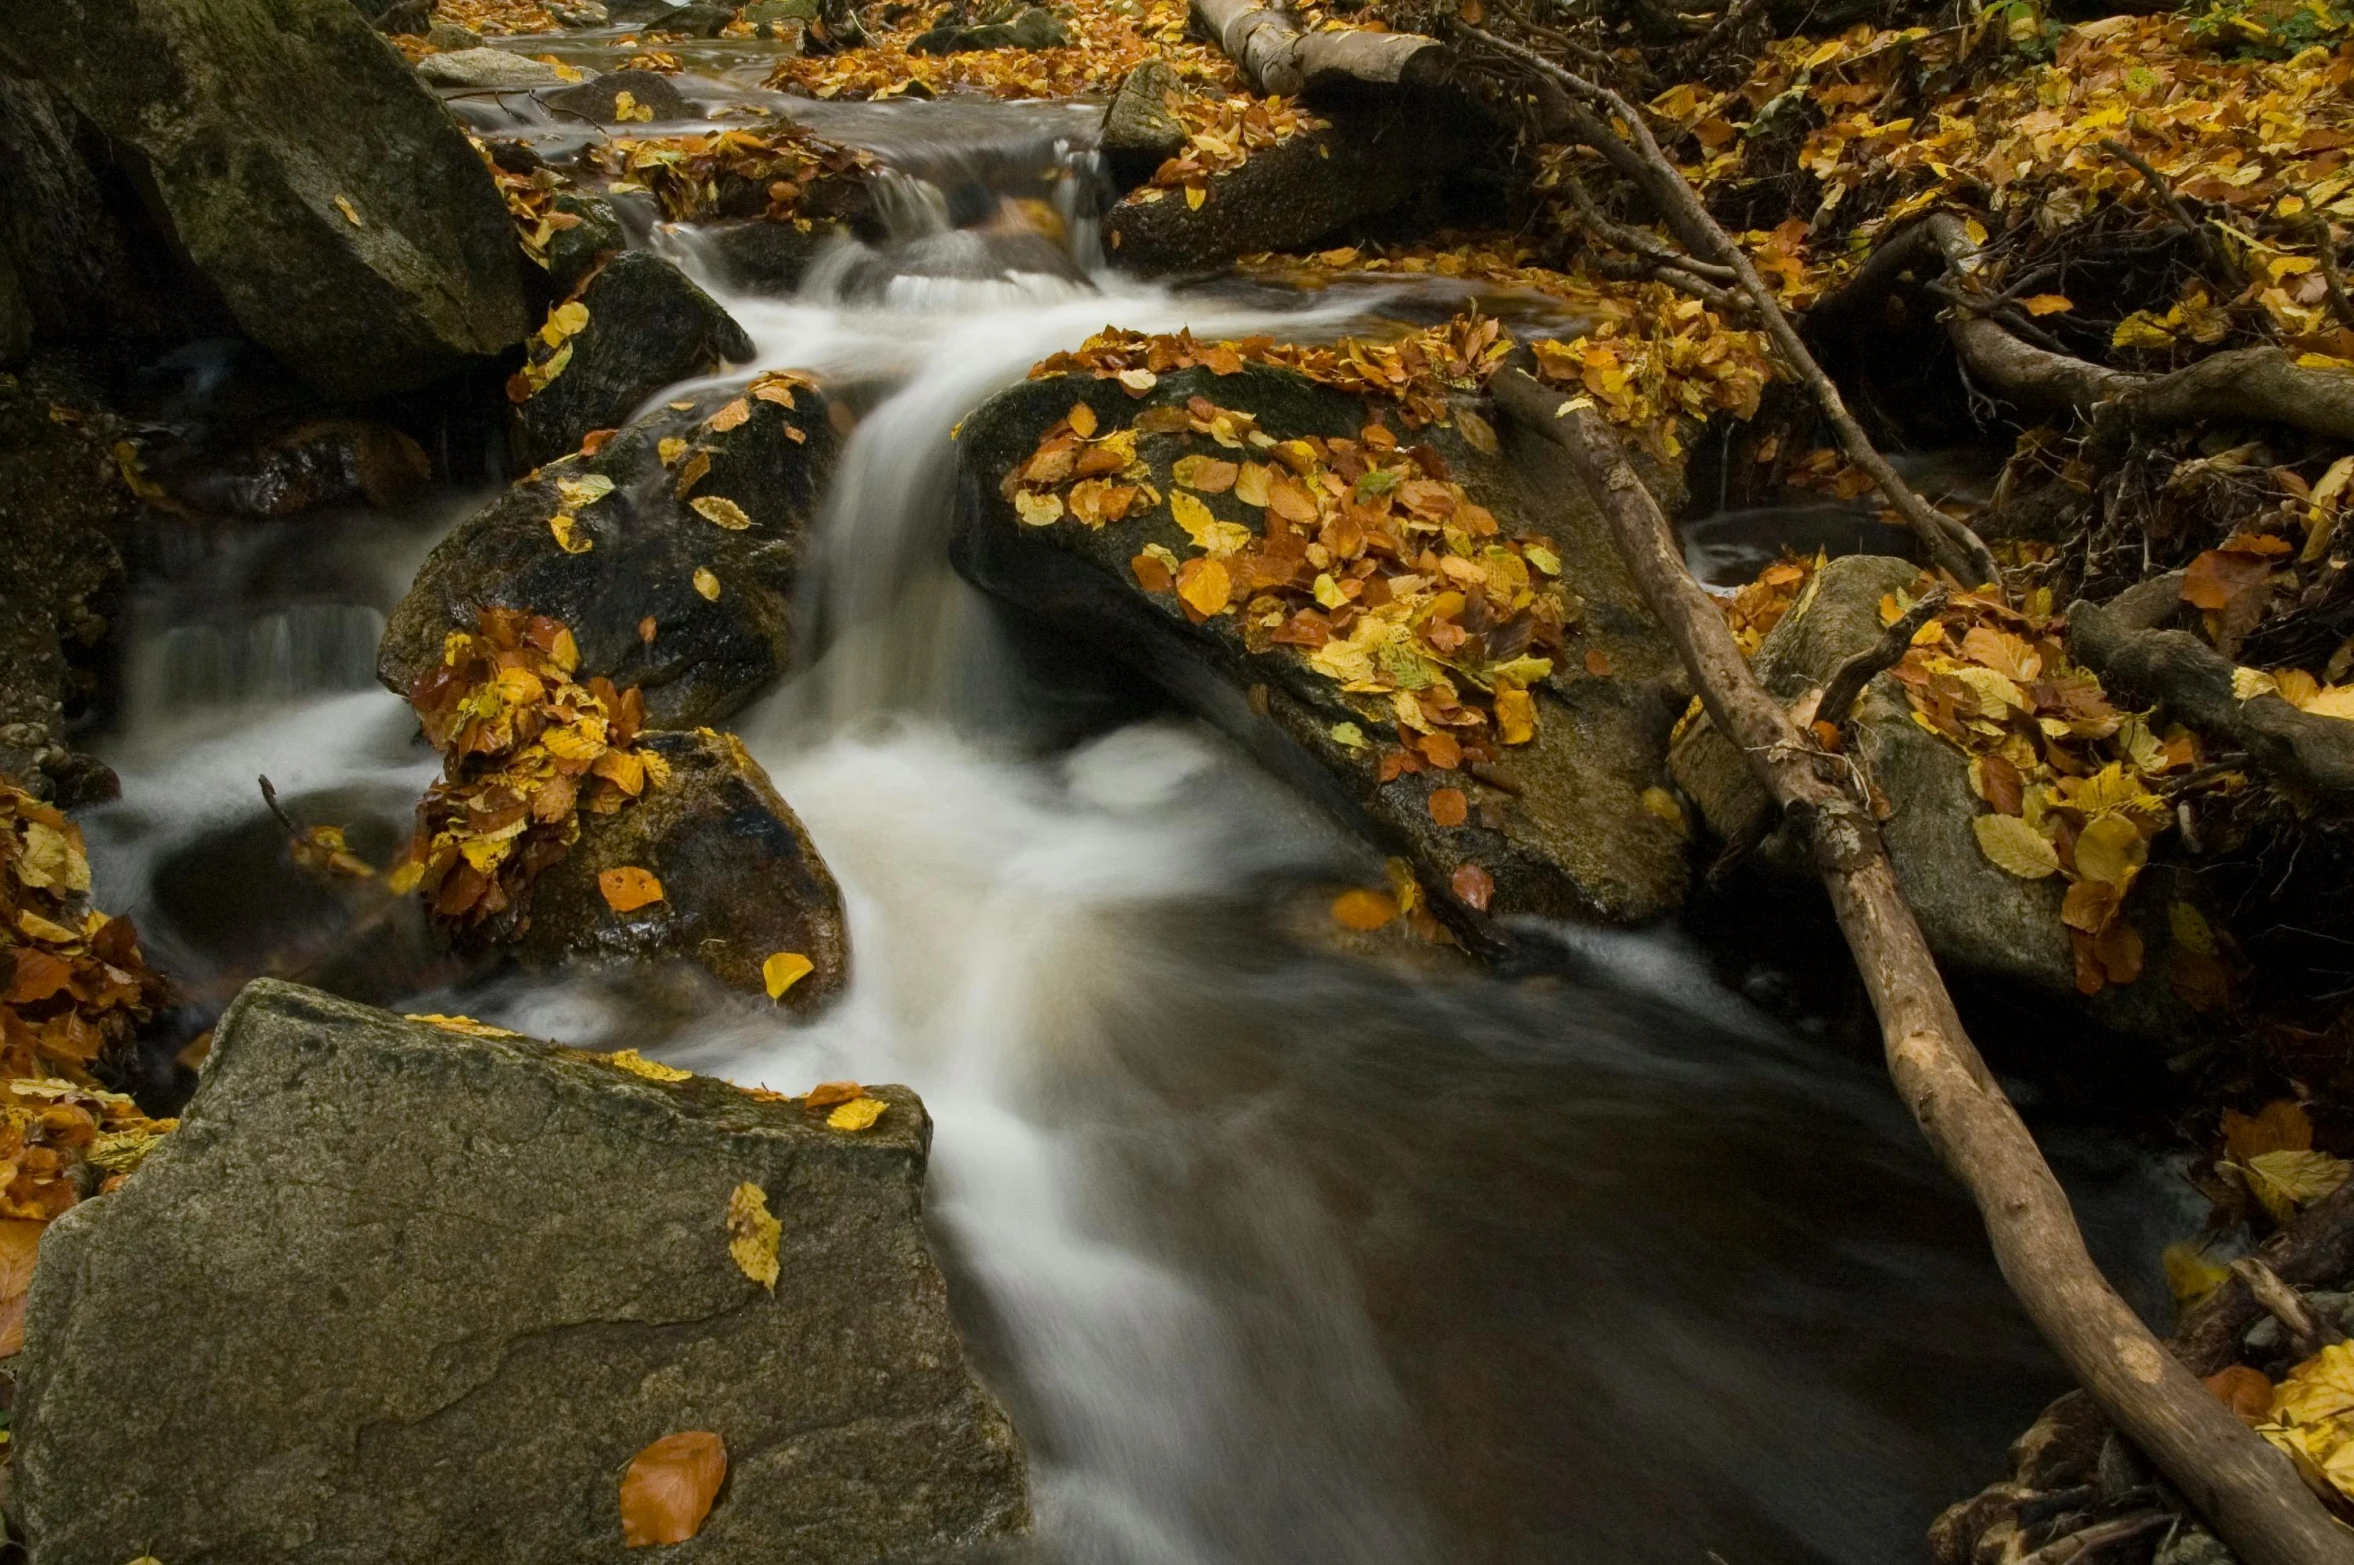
(1220, 136)
(2074, 787)
(760, 172)
(1418, 371)
(1363, 555)
(531, 204)
(76, 987)
(1648, 354)
(2265, 141)
(526, 749)
(497, 18)
(1107, 42)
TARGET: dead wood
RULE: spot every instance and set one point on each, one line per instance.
(2307, 1332)
(1278, 57)
(2316, 1249)
(2247, 1490)
(2306, 754)
(1847, 681)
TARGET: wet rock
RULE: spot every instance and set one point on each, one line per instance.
(575, 252)
(486, 69)
(776, 13)
(16, 317)
(1035, 28)
(699, 20)
(394, 1293)
(706, 656)
(597, 98)
(449, 36)
(741, 880)
(757, 256)
(1139, 131)
(317, 462)
(61, 504)
(648, 327)
(587, 13)
(1292, 195)
(1977, 918)
(1561, 825)
(351, 231)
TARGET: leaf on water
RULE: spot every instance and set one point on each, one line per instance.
(628, 888)
(1363, 910)
(706, 584)
(638, 1065)
(752, 1235)
(857, 1114)
(783, 970)
(2286, 1180)
(2015, 847)
(1038, 510)
(1448, 806)
(721, 512)
(669, 1487)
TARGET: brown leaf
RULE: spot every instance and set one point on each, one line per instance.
(828, 1093)
(2220, 575)
(1449, 807)
(2280, 1126)
(1473, 886)
(669, 1488)
(2245, 1391)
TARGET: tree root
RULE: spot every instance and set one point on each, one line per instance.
(2307, 755)
(2245, 1487)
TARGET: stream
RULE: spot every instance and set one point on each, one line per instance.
(1274, 1255)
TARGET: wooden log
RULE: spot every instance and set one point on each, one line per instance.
(1277, 56)
(2245, 1489)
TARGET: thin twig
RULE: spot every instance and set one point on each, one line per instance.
(270, 798)
(2210, 248)
(1952, 546)
(1635, 240)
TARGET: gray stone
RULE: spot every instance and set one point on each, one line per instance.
(575, 252)
(1139, 131)
(741, 880)
(1560, 823)
(303, 170)
(699, 20)
(396, 1293)
(648, 327)
(588, 13)
(596, 99)
(1292, 195)
(487, 69)
(707, 657)
(449, 36)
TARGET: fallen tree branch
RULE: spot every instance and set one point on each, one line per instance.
(2245, 1488)
(2307, 1332)
(2316, 1249)
(1849, 678)
(1276, 56)
(2304, 753)
(1950, 544)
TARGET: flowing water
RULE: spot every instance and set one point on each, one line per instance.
(1275, 1256)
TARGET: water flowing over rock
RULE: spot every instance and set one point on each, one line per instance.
(1561, 824)
(707, 652)
(741, 880)
(303, 170)
(394, 1292)
(648, 327)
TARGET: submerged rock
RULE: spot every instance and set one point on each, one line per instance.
(648, 327)
(303, 170)
(396, 1292)
(1561, 824)
(631, 597)
(741, 880)
(314, 462)
(1291, 195)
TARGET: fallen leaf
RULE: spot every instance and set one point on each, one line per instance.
(828, 1093)
(20, 1241)
(706, 584)
(1038, 510)
(1477, 432)
(730, 416)
(783, 970)
(2190, 1276)
(628, 888)
(566, 539)
(1473, 886)
(669, 1487)
(2048, 303)
(2015, 847)
(721, 512)
(752, 1235)
(1363, 910)
(2111, 850)
(1598, 663)
(1205, 586)
(1448, 806)
(857, 1114)
(638, 1065)
(2286, 1180)
(2245, 1391)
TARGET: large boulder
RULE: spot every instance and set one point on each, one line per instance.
(485, 69)
(1302, 190)
(1978, 919)
(397, 1292)
(1561, 825)
(633, 600)
(648, 327)
(1140, 133)
(302, 169)
(741, 880)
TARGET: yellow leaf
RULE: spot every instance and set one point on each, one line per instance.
(2318, 1390)
(1348, 736)
(752, 1235)
(1363, 910)
(351, 214)
(1477, 432)
(1195, 195)
(465, 1024)
(1082, 420)
(566, 539)
(1663, 804)
(729, 416)
(2110, 849)
(1542, 558)
(2190, 1276)
(2249, 683)
(2015, 847)
(1253, 482)
(2191, 931)
(783, 970)
(857, 1114)
(1038, 510)
(638, 1065)
(670, 448)
(52, 859)
(569, 319)
(2141, 329)
(2286, 1180)
(1205, 585)
(721, 512)
(628, 888)
(706, 584)
(2048, 303)
(1516, 716)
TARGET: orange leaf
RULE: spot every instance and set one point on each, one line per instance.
(2280, 1126)
(669, 1488)
(2220, 575)
(1449, 807)
(1473, 886)
(1598, 663)
(628, 888)
(19, 1240)
(828, 1093)
(2245, 1391)
(1205, 586)
(1363, 909)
